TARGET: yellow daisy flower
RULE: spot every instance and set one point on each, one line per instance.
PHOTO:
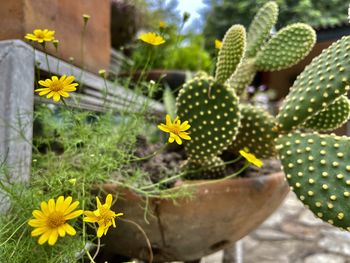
(57, 87)
(41, 36)
(152, 39)
(251, 158)
(218, 44)
(176, 130)
(51, 221)
(103, 216)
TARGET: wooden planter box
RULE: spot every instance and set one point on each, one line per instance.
(18, 17)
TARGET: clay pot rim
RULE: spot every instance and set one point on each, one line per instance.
(214, 186)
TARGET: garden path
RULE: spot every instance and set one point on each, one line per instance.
(291, 235)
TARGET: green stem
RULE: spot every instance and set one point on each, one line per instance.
(77, 122)
(14, 232)
(46, 58)
(149, 156)
(98, 248)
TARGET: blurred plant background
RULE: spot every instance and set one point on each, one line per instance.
(190, 42)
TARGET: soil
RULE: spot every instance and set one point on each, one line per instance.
(167, 162)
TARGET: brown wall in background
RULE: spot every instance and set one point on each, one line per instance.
(18, 17)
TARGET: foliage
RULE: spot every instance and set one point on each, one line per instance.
(178, 52)
(220, 15)
(88, 148)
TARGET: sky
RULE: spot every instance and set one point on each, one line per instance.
(192, 7)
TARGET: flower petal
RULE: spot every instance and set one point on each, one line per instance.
(44, 92)
(61, 231)
(72, 207)
(44, 237)
(56, 97)
(37, 222)
(51, 205)
(53, 237)
(73, 214)
(109, 200)
(100, 231)
(90, 217)
(38, 214)
(45, 208)
(59, 203)
(39, 231)
(184, 135)
(68, 81)
(163, 127)
(69, 229)
(44, 83)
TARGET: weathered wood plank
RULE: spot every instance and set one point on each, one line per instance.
(16, 107)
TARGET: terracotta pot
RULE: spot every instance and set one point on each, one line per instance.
(217, 215)
(18, 17)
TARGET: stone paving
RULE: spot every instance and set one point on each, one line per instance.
(291, 235)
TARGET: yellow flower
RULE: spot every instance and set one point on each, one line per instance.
(152, 38)
(251, 158)
(55, 87)
(218, 44)
(51, 221)
(176, 130)
(162, 24)
(103, 216)
(41, 36)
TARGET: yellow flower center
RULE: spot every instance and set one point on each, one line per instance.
(55, 220)
(175, 128)
(56, 86)
(40, 35)
(106, 215)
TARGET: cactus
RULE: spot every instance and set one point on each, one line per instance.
(317, 168)
(260, 28)
(256, 132)
(330, 118)
(319, 85)
(289, 46)
(210, 104)
(212, 109)
(243, 76)
(231, 52)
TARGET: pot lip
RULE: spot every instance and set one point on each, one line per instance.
(276, 178)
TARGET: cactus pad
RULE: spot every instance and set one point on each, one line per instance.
(231, 52)
(321, 83)
(334, 116)
(211, 168)
(318, 170)
(243, 76)
(289, 46)
(256, 132)
(212, 111)
(260, 28)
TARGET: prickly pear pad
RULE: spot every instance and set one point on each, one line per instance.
(321, 83)
(212, 111)
(289, 46)
(334, 116)
(318, 170)
(256, 132)
(259, 29)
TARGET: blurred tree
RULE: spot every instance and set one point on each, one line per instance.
(221, 14)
